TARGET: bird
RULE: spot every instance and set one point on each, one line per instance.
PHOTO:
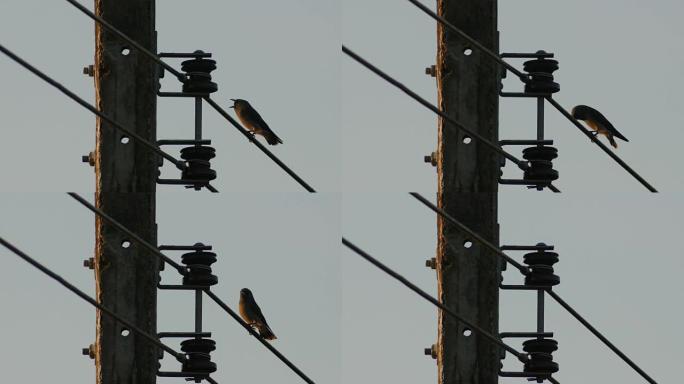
(251, 313)
(598, 123)
(251, 119)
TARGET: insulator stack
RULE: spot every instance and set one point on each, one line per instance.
(541, 356)
(541, 265)
(198, 159)
(541, 75)
(199, 268)
(199, 75)
(541, 163)
(198, 353)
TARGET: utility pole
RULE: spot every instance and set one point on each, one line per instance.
(468, 275)
(125, 275)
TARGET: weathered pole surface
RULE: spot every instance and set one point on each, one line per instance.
(126, 276)
(468, 171)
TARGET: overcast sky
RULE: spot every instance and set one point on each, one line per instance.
(619, 246)
(345, 130)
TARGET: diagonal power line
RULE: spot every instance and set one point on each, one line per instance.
(495, 147)
(178, 163)
(181, 77)
(180, 268)
(598, 142)
(266, 344)
(524, 77)
(154, 340)
(523, 269)
(523, 357)
(549, 290)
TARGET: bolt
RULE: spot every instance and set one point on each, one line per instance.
(432, 351)
(89, 158)
(431, 70)
(89, 70)
(90, 351)
(431, 158)
(431, 263)
(89, 263)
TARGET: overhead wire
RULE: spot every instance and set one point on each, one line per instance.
(268, 345)
(523, 269)
(523, 357)
(549, 290)
(524, 78)
(180, 268)
(495, 147)
(181, 77)
(179, 356)
(178, 163)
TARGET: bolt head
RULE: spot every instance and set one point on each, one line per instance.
(89, 158)
(431, 70)
(89, 263)
(431, 263)
(89, 70)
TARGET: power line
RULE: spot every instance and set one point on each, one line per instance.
(520, 163)
(181, 77)
(523, 77)
(598, 142)
(524, 270)
(178, 163)
(255, 334)
(523, 357)
(560, 301)
(600, 336)
(254, 141)
(179, 356)
(182, 270)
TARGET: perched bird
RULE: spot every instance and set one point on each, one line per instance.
(598, 123)
(251, 313)
(251, 119)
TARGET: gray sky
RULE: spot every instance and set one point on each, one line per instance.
(345, 130)
(293, 271)
(620, 254)
(283, 58)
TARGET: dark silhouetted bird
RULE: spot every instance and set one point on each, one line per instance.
(251, 313)
(598, 123)
(251, 119)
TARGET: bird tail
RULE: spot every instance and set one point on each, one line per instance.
(272, 139)
(612, 141)
(266, 333)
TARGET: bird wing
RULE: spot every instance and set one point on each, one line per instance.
(256, 117)
(601, 120)
(258, 315)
